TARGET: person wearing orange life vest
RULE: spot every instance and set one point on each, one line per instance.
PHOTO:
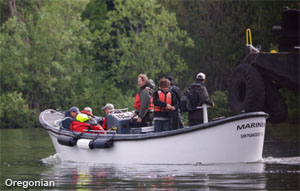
(164, 102)
(143, 102)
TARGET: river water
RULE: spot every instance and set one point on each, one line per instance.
(28, 155)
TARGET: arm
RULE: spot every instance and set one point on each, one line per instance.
(145, 100)
(175, 102)
(204, 97)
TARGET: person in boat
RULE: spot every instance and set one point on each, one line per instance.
(143, 102)
(164, 102)
(201, 96)
(108, 108)
(83, 122)
(67, 120)
(176, 117)
(88, 111)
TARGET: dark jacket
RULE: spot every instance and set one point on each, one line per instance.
(202, 94)
(66, 122)
(196, 116)
(176, 91)
(159, 103)
(145, 96)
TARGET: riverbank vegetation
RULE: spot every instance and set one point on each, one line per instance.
(57, 54)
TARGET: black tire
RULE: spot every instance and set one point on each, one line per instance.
(246, 90)
(275, 105)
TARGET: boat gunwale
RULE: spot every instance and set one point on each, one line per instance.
(151, 135)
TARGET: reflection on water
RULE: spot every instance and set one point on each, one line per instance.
(29, 155)
(251, 176)
(170, 177)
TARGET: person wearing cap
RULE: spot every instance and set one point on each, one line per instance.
(196, 116)
(108, 108)
(69, 117)
(176, 117)
(143, 102)
(164, 102)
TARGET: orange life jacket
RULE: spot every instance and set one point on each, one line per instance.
(137, 101)
(167, 98)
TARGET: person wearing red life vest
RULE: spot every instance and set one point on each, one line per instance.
(83, 122)
(164, 102)
(143, 102)
(88, 111)
(108, 108)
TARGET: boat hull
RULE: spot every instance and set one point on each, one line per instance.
(233, 141)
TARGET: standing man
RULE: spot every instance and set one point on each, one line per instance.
(143, 102)
(200, 95)
(176, 117)
(164, 102)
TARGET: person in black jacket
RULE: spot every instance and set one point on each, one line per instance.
(201, 96)
(68, 119)
(176, 117)
(164, 102)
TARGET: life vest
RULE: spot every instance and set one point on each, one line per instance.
(81, 117)
(88, 113)
(104, 125)
(137, 101)
(167, 98)
(84, 127)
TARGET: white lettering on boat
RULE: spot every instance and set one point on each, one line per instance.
(250, 125)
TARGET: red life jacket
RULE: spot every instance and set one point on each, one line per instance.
(83, 127)
(167, 98)
(86, 112)
(104, 124)
(137, 101)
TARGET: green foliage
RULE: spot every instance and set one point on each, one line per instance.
(56, 54)
(141, 37)
(95, 12)
(42, 58)
(292, 101)
(218, 30)
(14, 111)
(221, 105)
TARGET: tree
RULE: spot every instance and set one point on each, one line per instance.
(141, 37)
(47, 69)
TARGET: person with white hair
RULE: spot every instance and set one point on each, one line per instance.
(108, 109)
(201, 96)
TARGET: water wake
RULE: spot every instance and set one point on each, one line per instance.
(52, 159)
(285, 160)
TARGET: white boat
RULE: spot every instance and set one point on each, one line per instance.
(236, 139)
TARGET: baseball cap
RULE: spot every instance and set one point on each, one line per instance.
(74, 109)
(200, 76)
(108, 105)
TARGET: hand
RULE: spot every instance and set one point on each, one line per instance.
(139, 120)
(173, 108)
(134, 114)
(169, 106)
